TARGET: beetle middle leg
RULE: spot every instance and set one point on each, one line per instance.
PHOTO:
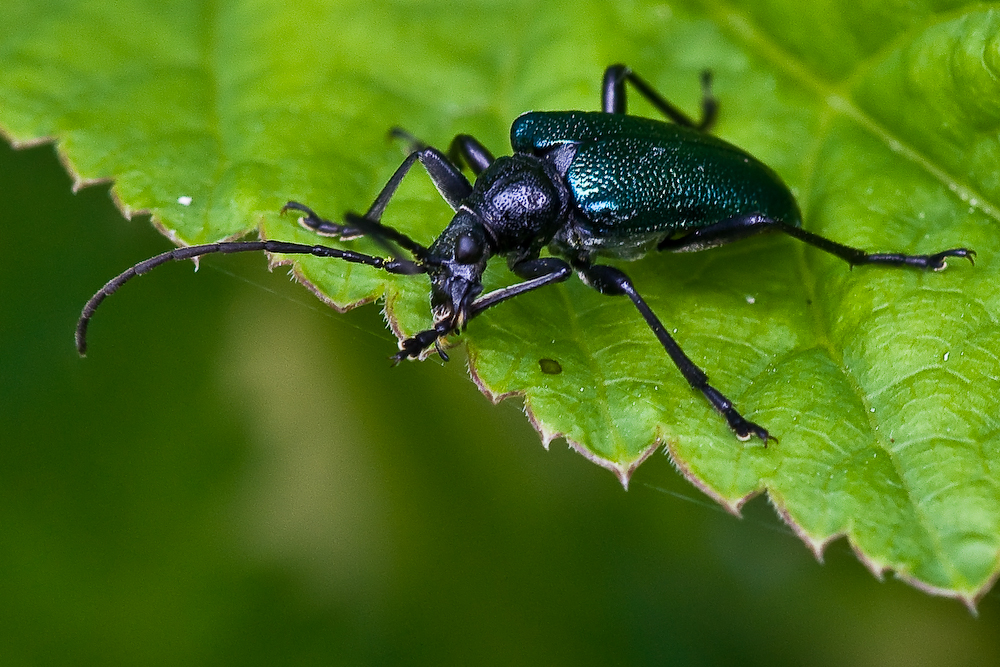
(613, 97)
(613, 282)
(744, 226)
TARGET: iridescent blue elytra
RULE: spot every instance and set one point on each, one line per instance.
(637, 181)
(585, 184)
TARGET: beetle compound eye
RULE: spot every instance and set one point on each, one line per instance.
(468, 250)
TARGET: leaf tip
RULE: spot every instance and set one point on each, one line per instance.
(968, 598)
(732, 506)
(622, 470)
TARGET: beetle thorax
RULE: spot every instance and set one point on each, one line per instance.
(521, 202)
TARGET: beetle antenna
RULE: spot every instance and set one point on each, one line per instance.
(395, 266)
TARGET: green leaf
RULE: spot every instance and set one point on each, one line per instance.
(880, 384)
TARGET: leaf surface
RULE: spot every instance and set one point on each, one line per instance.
(881, 385)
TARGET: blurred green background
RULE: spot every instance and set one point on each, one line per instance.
(236, 475)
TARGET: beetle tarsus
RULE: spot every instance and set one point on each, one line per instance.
(938, 263)
(740, 425)
(935, 262)
(746, 429)
(322, 226)
(414, 346)
(413, 143)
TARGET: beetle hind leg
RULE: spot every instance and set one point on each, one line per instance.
(745, 226)
(613, 97)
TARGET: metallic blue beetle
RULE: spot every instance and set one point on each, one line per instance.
(586, 185)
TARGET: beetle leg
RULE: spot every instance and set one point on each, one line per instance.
(537, 272)
(415, 142)
(611, 281)
(466, 148)
(448, 178)
(322, 226)
(358, 226)
(741, 227)
(613, 97)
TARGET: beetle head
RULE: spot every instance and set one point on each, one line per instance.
(461, 251)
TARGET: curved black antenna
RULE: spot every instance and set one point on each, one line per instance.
(396, 266)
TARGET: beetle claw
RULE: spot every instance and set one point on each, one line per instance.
(938, 263)
(748, 429)
(301, 208)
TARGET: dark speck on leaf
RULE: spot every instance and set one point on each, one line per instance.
(550, 366)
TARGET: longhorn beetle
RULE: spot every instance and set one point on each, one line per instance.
(586, 184)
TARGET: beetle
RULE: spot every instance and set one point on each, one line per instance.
(584, 184)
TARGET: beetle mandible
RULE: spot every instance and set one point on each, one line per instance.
(585, 184)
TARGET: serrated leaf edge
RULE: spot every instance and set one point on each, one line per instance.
(818, 545)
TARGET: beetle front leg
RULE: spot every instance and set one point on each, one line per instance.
(359, 226)
(322, 226)
(447, 178)
(611, 281)
(464, 148)
(537, 272)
